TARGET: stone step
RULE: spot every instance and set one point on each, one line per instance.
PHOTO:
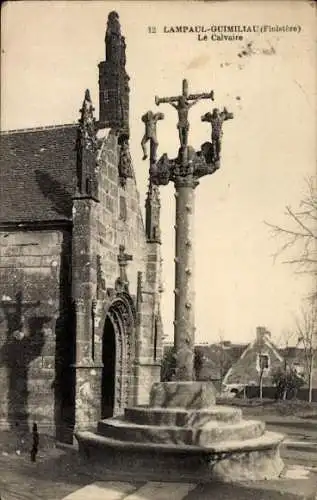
(251, 459)
(181, 417)
(267, 441)
(210, 433)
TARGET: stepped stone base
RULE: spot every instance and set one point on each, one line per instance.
(183, 434)
(182, 395)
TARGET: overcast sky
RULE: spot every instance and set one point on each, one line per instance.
(50, 52)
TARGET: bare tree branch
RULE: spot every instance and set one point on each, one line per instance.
(306, 328)
(300, 234)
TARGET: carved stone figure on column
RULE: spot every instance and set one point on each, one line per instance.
(150, 120)
(216, 119)
(182, 103)
(125, 162)
(182, 107)
(160, 173)
(122, 282)
(87, 122)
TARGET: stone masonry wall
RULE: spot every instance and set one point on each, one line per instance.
(99, 228)
(119, 222)
(34, 287)
(118, 219)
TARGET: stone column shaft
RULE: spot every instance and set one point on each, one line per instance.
(184, 320)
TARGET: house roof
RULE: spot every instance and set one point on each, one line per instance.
(292, 352)
(216, 358)
(264, 341)
(37, 174)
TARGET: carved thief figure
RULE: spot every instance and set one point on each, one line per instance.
(216, 119)
(150, 119)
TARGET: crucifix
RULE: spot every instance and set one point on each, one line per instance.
(184, 171)
(24, 343)
(182, 103)
(15, 314)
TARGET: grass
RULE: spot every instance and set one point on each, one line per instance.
(256, 406)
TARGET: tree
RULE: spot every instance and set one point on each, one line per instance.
(198, 362)
(263, 366)
(300, 246)
(224, 358)
(300, 234)
(306, 328)
(287, 382)
(168, 366)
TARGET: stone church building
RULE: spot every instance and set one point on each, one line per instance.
(80, 324)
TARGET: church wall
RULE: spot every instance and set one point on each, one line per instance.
(107, 216)
(119, 222)
(34, 314)
(56, 286)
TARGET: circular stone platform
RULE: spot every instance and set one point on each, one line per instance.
(183, 432)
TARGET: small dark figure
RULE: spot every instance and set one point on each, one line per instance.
(35, 444)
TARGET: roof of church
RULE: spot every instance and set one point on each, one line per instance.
(37, 174)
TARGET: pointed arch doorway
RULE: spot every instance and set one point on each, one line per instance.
(118, 351)
(109, 369)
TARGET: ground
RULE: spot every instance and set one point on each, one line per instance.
(59, 472)
(269, 407)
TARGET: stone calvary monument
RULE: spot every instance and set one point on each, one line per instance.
(182, 432)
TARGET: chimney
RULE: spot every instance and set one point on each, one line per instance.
(261, 333)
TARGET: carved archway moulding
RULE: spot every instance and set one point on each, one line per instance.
(122, 314)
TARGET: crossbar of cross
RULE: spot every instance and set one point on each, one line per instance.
(189, 97)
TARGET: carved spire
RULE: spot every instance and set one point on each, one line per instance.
(87, 123)
(86, 147)
(115, 43)
(152, 214)
(113, 79)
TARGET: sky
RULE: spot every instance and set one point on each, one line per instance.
(50, 53)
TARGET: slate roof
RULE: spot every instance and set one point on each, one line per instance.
(218, 359)
(215, 358)
(292, 353)
(37, 174)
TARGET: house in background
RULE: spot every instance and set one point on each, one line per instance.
(294, 357)
(212, 361)
(260, 356)
(216, 360)
(231, 367)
